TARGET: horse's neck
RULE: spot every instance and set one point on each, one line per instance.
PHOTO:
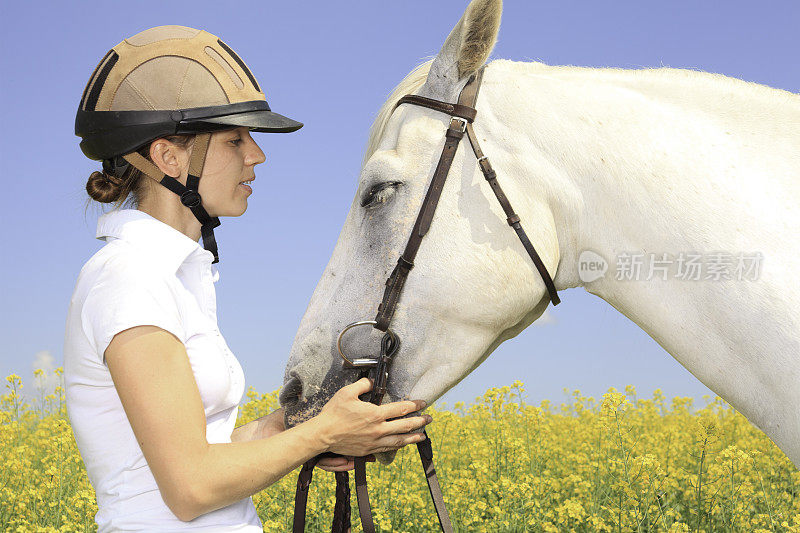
(631, 170)
(627, 169)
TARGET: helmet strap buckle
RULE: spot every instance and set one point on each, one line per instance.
(116, 166)
(190, 198)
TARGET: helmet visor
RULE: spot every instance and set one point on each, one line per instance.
(261, 121)
(108, 134)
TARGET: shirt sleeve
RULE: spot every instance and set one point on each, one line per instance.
(125, 295)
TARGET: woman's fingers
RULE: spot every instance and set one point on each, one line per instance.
(333, 461)
(401, 408)
(340, 468)
(405, 425)
(336, 464)
(359, 387)
(395, 442)
(341, 464)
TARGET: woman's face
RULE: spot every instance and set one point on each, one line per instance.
(228, 172)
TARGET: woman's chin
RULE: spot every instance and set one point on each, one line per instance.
(241, 200)
(235, 209)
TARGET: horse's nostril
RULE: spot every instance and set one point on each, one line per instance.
(291, 392)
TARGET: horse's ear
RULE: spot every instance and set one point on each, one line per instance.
(466, 49)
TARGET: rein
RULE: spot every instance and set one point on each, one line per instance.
(462, 114)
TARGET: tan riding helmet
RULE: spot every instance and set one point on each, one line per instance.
(164, 81)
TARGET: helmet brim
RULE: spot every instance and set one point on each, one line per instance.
(260, 121)
(108, 134)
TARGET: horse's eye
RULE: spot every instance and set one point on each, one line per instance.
(379, 193)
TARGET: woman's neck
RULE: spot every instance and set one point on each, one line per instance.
(172, 212)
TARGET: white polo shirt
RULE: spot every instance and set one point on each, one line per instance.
(147, 273)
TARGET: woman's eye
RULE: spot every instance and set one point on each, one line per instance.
(379, 194)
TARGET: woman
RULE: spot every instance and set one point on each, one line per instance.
(152, 389)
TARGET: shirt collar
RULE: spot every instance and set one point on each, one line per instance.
(166, 245)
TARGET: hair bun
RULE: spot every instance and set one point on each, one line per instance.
(103, 187)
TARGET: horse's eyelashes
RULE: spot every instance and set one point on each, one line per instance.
(379, 193)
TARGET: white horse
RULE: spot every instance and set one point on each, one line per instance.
(598, 161)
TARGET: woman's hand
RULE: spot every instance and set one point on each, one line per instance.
(340, 464)
(352, 427)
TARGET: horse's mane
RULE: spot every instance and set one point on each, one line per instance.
(726, 96)
(413, 81)
(713, 92)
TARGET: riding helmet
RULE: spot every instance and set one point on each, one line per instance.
(165, 81)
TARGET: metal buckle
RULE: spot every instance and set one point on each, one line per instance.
(364, 362)
(190, 198)
(463, 123)
(116, 166)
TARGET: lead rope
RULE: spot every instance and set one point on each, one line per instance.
(341, 513)
(424, 448)
(341, 510)
(301, 494)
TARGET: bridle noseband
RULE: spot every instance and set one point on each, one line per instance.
(462, 114)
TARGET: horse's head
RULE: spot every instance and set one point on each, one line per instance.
(473, 285)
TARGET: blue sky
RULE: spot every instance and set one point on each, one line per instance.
(331, 65)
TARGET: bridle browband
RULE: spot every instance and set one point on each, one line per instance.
(462, 114)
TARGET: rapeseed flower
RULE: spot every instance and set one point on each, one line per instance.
(622, 464)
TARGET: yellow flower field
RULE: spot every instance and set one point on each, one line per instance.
(620, 463)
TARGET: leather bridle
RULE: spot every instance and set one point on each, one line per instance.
(462, 114)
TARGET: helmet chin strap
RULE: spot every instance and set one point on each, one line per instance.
(190, 197)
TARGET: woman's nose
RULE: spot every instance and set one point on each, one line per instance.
(255, 156)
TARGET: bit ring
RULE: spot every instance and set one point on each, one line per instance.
(364, 361)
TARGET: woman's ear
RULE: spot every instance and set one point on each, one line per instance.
(466, 50)
(170, 158)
